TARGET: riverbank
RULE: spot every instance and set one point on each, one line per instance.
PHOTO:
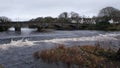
(100, 26)
(86, 56)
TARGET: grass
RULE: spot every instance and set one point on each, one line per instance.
(82, 56)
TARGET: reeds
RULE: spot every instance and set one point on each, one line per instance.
(82, 56)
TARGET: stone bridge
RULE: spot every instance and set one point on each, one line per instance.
(39, 26)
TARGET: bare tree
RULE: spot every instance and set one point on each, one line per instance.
(64, 15)
(109, 12)
(74, 15)
(4, 19)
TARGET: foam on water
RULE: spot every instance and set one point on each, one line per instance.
(18, 43)
(100, 37)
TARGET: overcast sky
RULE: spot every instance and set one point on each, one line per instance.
(27, 9)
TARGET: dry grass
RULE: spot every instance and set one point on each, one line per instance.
(82, 56)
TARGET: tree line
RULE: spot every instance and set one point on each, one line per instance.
(104, 15)
(102, 21)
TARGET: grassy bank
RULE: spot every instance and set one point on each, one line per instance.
(82, 56)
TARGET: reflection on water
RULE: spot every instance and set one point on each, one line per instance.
(11, 29)
(24, 31)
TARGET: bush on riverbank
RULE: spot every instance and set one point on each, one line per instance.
(81, 56)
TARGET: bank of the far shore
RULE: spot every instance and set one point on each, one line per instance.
(103, 26)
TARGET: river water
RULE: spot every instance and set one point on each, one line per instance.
(16, 48)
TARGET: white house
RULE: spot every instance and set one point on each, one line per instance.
(85, 20)
(113, 22)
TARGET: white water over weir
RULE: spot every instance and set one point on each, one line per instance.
(18, 54)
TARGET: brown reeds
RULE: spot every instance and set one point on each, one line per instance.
(82, 56)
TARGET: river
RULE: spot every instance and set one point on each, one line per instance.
(16, 48)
